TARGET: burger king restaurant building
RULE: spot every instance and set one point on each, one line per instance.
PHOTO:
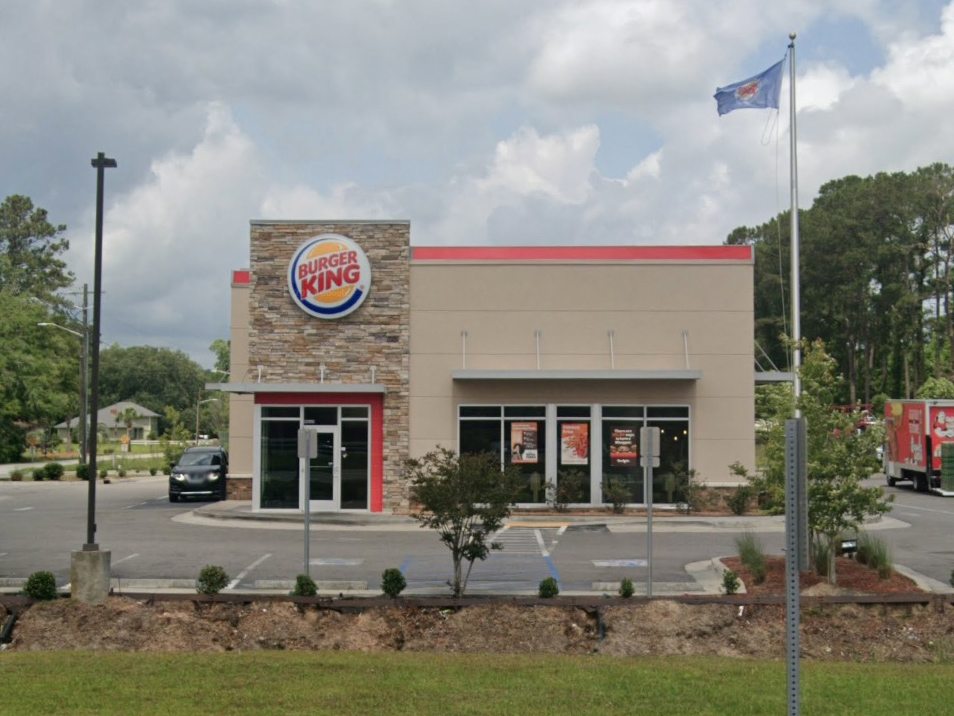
(551, 358)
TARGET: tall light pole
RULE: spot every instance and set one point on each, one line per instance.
(89, 568)
(84, 384)
(101, 163)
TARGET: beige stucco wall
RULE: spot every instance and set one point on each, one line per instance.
(647, 306)
(241, 406)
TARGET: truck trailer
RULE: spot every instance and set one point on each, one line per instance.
(915, 433)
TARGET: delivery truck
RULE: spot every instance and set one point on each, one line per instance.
(915, 433)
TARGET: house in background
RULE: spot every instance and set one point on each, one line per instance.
(111, 421)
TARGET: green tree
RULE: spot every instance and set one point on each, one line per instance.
(839, 456)
(937, 388)
(155, 378)
(466, 499)
(222, 349)
(30, 249)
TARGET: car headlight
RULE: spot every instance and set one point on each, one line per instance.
(178, 476)
(213, 476)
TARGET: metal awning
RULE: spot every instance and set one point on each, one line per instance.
(773, 376)
(586, 375)
(254, 388)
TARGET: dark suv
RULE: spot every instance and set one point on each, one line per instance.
(200, 472)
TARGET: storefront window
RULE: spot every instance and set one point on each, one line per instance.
(279, 454)
(573, 458)
(621, 469)
(480, 436)
(354, 464)
(669, 479)
(526, 441)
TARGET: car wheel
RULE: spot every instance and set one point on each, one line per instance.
(892, 482)
(173, 498)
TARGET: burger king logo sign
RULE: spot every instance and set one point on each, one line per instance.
(329, 276)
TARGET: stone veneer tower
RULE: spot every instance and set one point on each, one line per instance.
(370, 345)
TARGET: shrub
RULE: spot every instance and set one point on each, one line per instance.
(305, 586)
(548, 588)
(738, 501)
(103, 473)
(39, 474)
(626, 588)
(568, 488)
(53, 470)
(212, 580)
(820, 556)
(82, 472)
(121, 472)
(615, 492)
(41, 586)
(16, 476)
(752, 555)
(730, 582)
(392, 582)
(152, 471)
(874, 552)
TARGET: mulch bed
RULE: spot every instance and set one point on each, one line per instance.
(849, 575)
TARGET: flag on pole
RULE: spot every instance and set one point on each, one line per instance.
(756, 92)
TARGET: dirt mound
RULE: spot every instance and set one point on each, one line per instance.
(835, 632)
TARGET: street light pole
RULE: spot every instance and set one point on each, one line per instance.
(101, 163)
(197, 404)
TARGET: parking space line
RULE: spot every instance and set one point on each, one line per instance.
(120, 561)
(21, 509)
(244, 573)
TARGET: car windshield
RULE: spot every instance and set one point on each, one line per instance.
(189, 459)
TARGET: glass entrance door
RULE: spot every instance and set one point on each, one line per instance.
(324, 471)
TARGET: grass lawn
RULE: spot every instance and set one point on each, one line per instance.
(291, 683)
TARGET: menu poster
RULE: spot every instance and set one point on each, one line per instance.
(623, 448)
(523, 443)
(575, 443)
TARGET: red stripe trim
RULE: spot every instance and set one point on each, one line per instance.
(241, 277)
(376, 401)
(582, 253)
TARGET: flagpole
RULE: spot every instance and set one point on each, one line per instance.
(796, 288)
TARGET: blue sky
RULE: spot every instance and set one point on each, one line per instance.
(498, 122)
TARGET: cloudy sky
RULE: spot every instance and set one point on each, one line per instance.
(482, 122)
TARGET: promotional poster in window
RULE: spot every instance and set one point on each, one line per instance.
(623, 447)
(523, 443)
(574, 443)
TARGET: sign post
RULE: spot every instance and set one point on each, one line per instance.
(307, 451)
(649, 458)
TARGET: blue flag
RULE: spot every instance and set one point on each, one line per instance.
(755, 92)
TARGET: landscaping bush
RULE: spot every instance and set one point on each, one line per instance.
(820, 555)
(626, 588)
(16, 476)
(103, 473)
(615, 492)
(41, 586)
(121, 472)
(39, 474)
(152, 471)
(548, 588)
(392, 582)
(567, 489)
(53, 470)
(305, 586)
(730, 582)
(82, 472)
(874, 553)
(752, 555)
(738, 501)
(212, 580)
